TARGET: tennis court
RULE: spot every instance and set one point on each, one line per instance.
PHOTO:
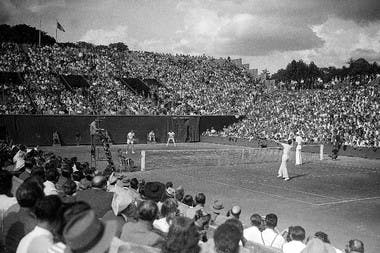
(341, 198)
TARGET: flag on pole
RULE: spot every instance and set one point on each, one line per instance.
(60, 27)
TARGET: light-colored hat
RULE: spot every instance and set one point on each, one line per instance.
(122, 198)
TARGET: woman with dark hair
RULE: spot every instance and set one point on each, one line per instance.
(183, 237)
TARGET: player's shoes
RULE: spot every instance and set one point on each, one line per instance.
(126, 152)
(286, 179)
(279, 176)
(133, 152)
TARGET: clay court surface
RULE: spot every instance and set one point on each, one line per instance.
(341, 198)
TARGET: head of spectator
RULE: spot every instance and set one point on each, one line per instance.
(188, 200)
(77, 176)
(234, 212)
(66, 171)
(84, 232)
(323, 236)
(200, 199)
(5, 183)
(169, 193)
(237, 223)
(179, 193)
(169, 185)
(69, 187)
(99, 182)
(52, 175)
(217, 207)
(45, 211)
(169, 209)
(134, 183)
(315, 245)
(271, 220)
(297, 233)
(256, 220)
(28, 193)
(147, 211)
(154, 191)
(39, 171)
(182, 237)
(227, 238)
(355, 246)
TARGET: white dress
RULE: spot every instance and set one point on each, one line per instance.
(298, 150)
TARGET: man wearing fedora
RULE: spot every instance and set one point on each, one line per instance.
(84, 232)
(217, 218)
(142, 231)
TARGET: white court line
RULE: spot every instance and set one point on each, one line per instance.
(247, 189)
(346, 201)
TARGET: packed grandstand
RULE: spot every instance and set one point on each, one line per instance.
(45, 80)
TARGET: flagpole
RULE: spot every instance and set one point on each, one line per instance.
(39, 35)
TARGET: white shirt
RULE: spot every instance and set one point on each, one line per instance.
(49, 188)
(293, 247)
(19, 160)
(253, 234)
(161, 225)
(271, 238)
(39, 240)
(287, 148)
(299, 140)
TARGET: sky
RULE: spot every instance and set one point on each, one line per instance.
(267, 34)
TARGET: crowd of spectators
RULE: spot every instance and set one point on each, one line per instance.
(62, 205)
(191, 85)
(351, 112)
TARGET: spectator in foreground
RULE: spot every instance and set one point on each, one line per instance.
(355, 246)
(325, 238)
(182, 237)
(270, 236)
(297, 237)
(6, 198)
(253, 233)
(84, 232)
(168, 212)
(315, 245)
(40, 239)
(142, 231)
(19, 219)
(200, 200)
(99, 199)
(226, 239)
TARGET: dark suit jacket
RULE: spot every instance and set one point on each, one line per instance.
(99, 200)
(17, 223)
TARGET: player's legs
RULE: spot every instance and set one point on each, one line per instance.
(283, 171)
(167, 143)
(298, 156)
(133, 147)
(173, 142)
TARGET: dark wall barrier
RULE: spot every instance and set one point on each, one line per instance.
(371, 153)
(218, 122)
(38, 129)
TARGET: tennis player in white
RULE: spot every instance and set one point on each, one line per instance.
(283, 170)
(299, 141)
(171, 136)
(130, 142)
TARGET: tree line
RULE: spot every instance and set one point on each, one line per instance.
(309, 74)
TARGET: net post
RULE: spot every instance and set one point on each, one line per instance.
(321, 152)
(142, 163)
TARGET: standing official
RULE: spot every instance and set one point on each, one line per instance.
(299, 141)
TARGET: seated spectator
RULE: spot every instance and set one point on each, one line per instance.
(6, 198)
(84, 232)
(324, 237)
(99, 199)
(316, 245)
(179, 195)
(188, 200)
(69, 191)
(86, 182)
(226, 239)
(40, 239)
(234, 212)
(296, 244)
(77, 177)
(52, 176)
(154, 191)
(168, 212)
(123, 209)
(19, 219)
(253, 233)
(200, 201)
(270, 236)
(355, 246)
(182, 237)
(217, 218)
(142, 231)
(66, 172)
